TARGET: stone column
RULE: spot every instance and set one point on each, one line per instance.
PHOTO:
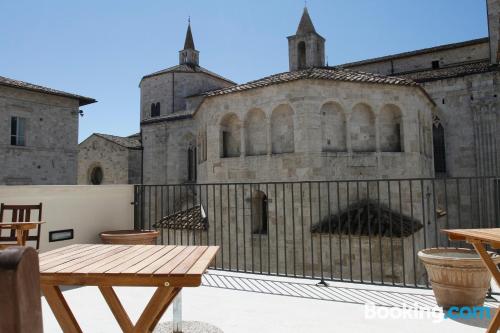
(269, 137)
(243, 143)
(348, 132)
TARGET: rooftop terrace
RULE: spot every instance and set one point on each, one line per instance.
(232, 301)
(236, 302)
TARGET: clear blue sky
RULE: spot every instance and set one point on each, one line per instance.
(102, 48)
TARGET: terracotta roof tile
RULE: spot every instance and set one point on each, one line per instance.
(450, 71)
(4, 81)
(187, 68)
(132, 142)
(323, 73)
(190, 219)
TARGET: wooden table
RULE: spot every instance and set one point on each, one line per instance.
(22, 231)
(478, 238)
(168, 268)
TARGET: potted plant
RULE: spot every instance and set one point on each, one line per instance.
(457, 275)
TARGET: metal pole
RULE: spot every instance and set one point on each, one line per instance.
(178, 313)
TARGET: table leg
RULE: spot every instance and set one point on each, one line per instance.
(492, 267)
(60, 308)
(156, 307)
(148, 320)
(117, 308)
(21, 236)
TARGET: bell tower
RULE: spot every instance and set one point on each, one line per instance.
(189, 55)
(306, 48)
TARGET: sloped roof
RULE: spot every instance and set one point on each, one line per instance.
(322, 73)
(447, 72)
(187, 68)
(190, 219)
(418, 52)
(4, 81)
(131, 142)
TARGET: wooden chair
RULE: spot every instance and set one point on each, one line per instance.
(21, 213)
(20, 305)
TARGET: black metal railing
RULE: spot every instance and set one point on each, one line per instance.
(367, 231)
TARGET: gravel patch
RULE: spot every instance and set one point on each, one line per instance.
(188, 327)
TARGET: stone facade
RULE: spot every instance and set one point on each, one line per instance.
(273, 155)
(381, 131)
(463, 79)
(120, 159)
(48, 155)
(494, 30)
(170, 134)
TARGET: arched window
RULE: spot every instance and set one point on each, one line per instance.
(230, 135)
(301, 53)
(439, 147)
(96, 176)
(255, 133)
(362, 129)
(282, 130)
(155, 109)
(333, 127)
(390, 129)
(259, 213)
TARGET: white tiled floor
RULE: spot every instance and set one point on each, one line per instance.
(252, 303)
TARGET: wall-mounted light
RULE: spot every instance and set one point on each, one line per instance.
(60, 235)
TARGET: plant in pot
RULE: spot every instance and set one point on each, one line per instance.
(457, 275)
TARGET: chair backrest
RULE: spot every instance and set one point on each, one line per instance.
(21, 213)
(20, 304)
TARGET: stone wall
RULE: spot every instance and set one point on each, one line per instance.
(494, 29)
(166, 142)
(468, 51)
(50, 153)
(172, 88)
(468, 109)
(281, 241)
(387, 133)
(135, 166)
(165, 152)
(119, 165)
(466, 105)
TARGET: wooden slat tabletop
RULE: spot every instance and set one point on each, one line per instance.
(487, 235)
(93, 264)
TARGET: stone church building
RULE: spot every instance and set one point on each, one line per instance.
(311, 123)
(424, 113)
(297, 136)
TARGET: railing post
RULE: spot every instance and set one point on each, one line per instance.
(177, 311)
(136, 210)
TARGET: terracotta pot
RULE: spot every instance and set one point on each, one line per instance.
(458, 276)
(129, 237)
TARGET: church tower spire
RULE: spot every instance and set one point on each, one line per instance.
(306, 48)
(189, 55)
